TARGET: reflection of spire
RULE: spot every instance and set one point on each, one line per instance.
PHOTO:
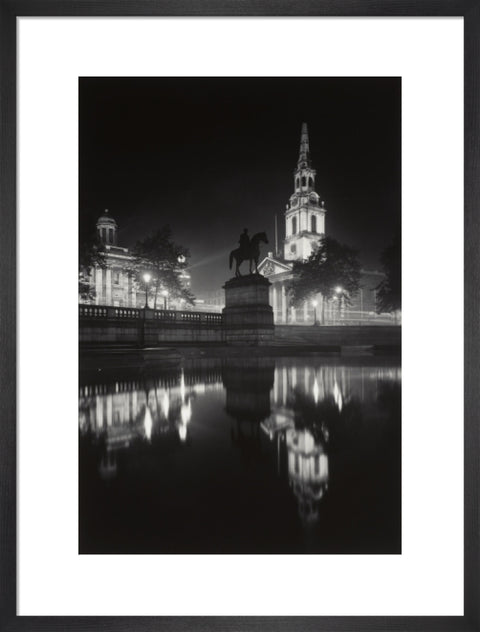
(186, 412)
(107, 467)
(182, 386)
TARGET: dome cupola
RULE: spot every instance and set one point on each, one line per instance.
(107, 229)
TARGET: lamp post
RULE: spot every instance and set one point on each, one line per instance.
(339, 292)
(146, 277)
(165, 296)
(315, 322)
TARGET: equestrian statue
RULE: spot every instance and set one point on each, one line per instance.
(249, 251)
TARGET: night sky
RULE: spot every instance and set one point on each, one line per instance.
(210, 156)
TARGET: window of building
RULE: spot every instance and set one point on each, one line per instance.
(304, 181)
(116, 278)
(293, 248)
(297, 183)
(314, 224)
(310, 182)
(110, 235)
(294, 225)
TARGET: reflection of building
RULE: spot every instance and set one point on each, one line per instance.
(304, 225)
(122, 412)
(248, 382)
(312, 393)
(307, 472)
(115, 284)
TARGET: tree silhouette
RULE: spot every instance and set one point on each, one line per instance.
(389, 290)
(91, 253)
(331, 265)
(164, 259)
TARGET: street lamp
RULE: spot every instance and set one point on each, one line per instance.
(146, 277)
(165, 296)
(315, 303)
(339, 291)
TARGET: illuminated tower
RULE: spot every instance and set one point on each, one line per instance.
(305, 213)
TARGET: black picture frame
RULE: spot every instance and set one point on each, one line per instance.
(9, 11)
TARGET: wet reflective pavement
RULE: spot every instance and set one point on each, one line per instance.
(242, 455)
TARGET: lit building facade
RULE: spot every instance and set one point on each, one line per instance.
(114, 283)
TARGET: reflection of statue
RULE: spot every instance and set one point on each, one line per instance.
(249, 251)
(248, 382)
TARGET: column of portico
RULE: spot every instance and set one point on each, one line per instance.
(274, 301)
(133, 294)
(98, 285)
(305, 311)
(108, 286)
(284, 304)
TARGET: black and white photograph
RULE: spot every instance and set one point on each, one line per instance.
(239, 315)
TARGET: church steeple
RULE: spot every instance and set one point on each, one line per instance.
(304, 155)
(305, 214)
(304, 175)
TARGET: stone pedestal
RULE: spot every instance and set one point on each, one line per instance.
(247, 315)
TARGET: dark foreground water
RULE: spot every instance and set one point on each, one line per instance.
(242, 455)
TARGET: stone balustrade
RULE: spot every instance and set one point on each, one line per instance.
(162, 315)
(101, 325)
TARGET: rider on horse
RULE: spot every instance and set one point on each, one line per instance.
(244, 242)
(249, 251)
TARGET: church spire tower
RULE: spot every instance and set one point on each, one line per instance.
(305, 213)
(304, 156)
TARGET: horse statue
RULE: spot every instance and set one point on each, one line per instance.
(253, 253)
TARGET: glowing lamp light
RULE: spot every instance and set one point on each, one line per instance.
(338, 289)
(314, 303)
(146, 277)
(181, 259)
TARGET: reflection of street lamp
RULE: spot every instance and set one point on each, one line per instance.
(146, 277)
(165, 295)
(315, 303)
